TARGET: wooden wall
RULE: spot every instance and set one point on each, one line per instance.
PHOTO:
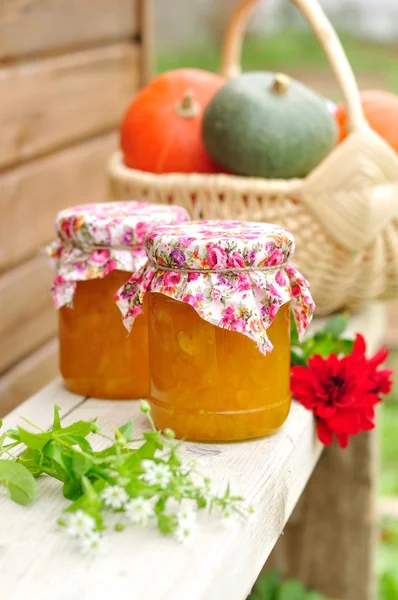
(68, 69)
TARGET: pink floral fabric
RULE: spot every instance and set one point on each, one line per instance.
(95, 239)
(236, 275)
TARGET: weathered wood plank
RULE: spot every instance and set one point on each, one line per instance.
(39, 407)
(32, 26)
(222, 562)
(48, 104)
(28, 377)
(145, 20)
(330, 541)
(28, 318)
(31, 196)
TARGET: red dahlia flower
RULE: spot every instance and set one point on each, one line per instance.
(342, 392)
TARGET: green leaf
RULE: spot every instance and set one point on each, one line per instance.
(166, 523)
(19, 481)
(297, 358)
(89, 500)
(201, 502)
(59, 456)
(80, 428)
(291, 590)
(35, 441)
(294, 338)
(148, 449)
(336, 325)
(31, 460)
(155, 438)
(136, 487)
(323, 346)
(127, 430)
(80, 464)
(77, 440)
(314, 596)
(89, 491)
(345, 346)
(56, 420)
(72, 489)
(13, 434)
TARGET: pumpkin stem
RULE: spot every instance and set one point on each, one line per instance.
(187, 108)
(281, 83)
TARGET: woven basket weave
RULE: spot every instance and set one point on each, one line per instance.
(344, 215)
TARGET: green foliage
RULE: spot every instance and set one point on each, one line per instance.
(19, 482)
(270, 586)
(388, 586)
(113, 479)
(324, 342)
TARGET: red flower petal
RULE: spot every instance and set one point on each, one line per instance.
(324, 434)
(343, 440)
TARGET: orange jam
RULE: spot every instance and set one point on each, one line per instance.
(97, 356)
(209, 383)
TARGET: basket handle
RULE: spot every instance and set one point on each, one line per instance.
(321, 26)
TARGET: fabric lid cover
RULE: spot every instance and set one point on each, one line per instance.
(235, 275)
(95, 239)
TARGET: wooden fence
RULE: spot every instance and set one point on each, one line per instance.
(68, 69)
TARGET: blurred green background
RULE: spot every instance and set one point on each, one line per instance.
(294, 50)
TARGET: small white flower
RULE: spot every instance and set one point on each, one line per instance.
(157, 474)
(184, 532)
(91, 543)
(114, 496)
(147, 464)
(163, 454)
(186, 524)
(187, 467)
(139, 510)
(80, 524)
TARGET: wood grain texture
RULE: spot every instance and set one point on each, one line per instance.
(28, 377)
(32, 26)
(28, 317)
(145, 20)
(330, 542)
(31, 196)
(48, 104)
(223, 562)
(40, 406)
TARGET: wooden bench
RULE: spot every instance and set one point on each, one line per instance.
(328, 543)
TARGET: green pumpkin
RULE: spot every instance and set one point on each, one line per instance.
(268, 125)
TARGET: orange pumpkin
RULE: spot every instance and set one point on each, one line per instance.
(381, 112)
(161, 131)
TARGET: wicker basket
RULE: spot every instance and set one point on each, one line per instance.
(344, 215)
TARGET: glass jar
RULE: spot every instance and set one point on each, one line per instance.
(219, 327)
(97, 357)
(208, 383)
(99, 248)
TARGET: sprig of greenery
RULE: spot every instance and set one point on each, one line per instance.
(328, 340)
(144, 484)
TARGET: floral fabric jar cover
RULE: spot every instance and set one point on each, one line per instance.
(236, 275)
(95, 239)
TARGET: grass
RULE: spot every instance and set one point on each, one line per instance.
(297, 53)
(375, 66)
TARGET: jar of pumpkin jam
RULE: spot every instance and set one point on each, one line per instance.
(98, 248)
(219, 314)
